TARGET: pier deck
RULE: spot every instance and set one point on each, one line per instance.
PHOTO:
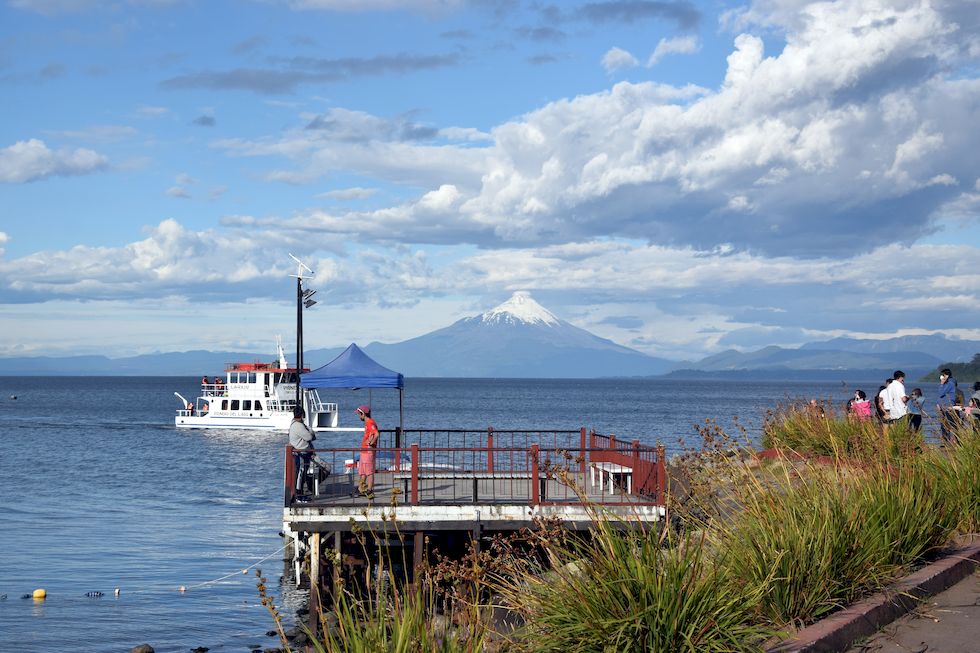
(486, 480)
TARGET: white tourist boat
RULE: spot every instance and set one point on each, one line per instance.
(254, 396)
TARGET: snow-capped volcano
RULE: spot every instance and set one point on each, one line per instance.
(521, 307)
(518, 338)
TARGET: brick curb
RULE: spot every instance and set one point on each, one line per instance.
(841, 629)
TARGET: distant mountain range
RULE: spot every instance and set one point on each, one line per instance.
(859, 358)
(522, 339)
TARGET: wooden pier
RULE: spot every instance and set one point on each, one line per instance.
(464, 485)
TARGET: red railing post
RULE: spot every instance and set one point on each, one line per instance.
(535, 473)
(636, 466)
(490, 449)
(661, 476)
(415, 474)
(290, 476)
(582, 450)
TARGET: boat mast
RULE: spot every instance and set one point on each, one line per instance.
(303, 298)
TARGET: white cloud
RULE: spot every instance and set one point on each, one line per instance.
(820, 140)
(676, 45)
(464, 134)
(354, 193)
(669, 289)
(617, 58)
(32, 160)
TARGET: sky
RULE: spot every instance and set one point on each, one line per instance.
(681, 177)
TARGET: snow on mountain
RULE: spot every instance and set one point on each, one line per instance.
(521, 307)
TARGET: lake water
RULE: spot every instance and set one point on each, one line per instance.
(98, 490)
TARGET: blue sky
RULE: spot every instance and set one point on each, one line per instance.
(681, 177)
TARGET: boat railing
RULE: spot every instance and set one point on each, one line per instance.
(214, 390)
(504, 467)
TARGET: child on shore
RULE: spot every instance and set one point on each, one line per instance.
(915, 409)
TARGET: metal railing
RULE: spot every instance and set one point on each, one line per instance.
(527, 467)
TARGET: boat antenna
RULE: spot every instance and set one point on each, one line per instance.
(301, 299)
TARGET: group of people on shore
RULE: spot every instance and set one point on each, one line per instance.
(893, 404)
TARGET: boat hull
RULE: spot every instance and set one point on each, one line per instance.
(278, 422)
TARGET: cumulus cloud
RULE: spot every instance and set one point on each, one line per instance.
(677, 45)
(32, 160)
(617, 58)
(803, 150)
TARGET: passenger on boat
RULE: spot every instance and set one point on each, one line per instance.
(190, 408)
(365, 464)
(301, 440)
(204, 380)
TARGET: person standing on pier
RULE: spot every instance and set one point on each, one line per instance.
(301, 440)
(365, 464)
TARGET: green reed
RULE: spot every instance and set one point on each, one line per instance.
(626, 589)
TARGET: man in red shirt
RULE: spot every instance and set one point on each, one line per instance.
(365, 464)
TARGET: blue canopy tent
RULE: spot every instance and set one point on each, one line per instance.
(355, 369)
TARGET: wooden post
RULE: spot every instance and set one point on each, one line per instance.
(661, 476)
(415, 474)
(535, 493)
(313, 619)
(582, 452)
(290, 477)
(490, 450)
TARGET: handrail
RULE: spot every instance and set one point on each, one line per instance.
(499, 469)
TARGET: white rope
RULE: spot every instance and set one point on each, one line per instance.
(236, 573)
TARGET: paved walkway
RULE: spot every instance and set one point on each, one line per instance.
(948, 622)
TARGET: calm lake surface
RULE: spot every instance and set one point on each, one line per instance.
(98, 490)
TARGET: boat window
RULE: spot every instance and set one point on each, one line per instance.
(234, 404)
(258, 405)
(224, 404)
(247, 404)
(251, 377)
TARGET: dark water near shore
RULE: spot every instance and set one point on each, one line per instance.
(98, 490)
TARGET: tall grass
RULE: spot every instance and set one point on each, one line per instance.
(821, 536)
(629, 590)
(958, 469)
(824, 430)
